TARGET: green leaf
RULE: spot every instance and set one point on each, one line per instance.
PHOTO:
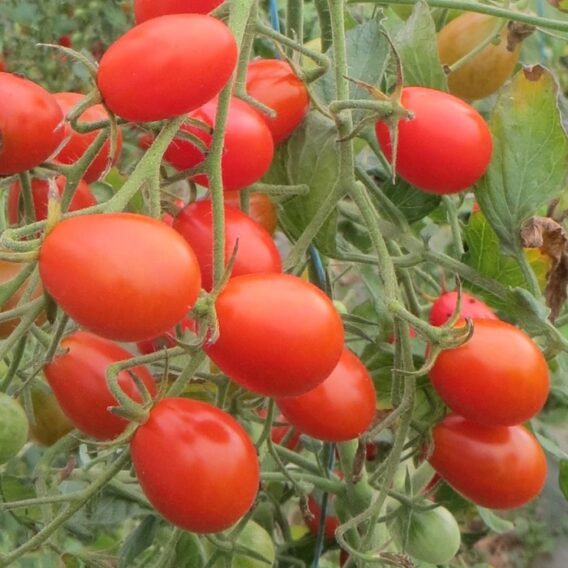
(563, 478)
(138, 541)
(495, 523)
(530, 154)
(189, 553)
(549, 445)
(411, 202)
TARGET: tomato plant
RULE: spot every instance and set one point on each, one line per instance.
(147, 9)
(78, 380)
(159, 91)
(107, 257)
(30, 124)
(13, 428)
(166, 340)
(201, 443)
(498, 377)
(445, 148)
(494, 466)
(256, 252)
(471, 307)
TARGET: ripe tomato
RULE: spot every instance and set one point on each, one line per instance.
(257, 252)
(78, 380)
(50, 422)
(499, 377)
(40, 193)
(13, 428)
(279, 335)
(204, 446)
(147, 9)
(248, 146)
(30, 124)
(272, 82)
(493, 466)
(78, 143)
(485, 73)
(121, 275)
(331, 520)
(166, 67)
(445, 148)
(471, 307)
(346, 399)
(261, 208)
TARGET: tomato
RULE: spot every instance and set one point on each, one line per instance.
(212, 474)
(346, 401)
(30, 124)
(65, 41)
(78, 143)
(499, 377)
(281, 429)
(166, 67)
(485, 73)
(78, 380)
(498, 467)
(445, 148)
(40, 193)
(50, 422)
(248, 146)
(331, 521)
(147, 9)
(272, 82)
(279, 335)
(120, 275)
(3, 68)
(13, 428)
(165, 341)
(261, 208)
(471, 307)
(256, 252)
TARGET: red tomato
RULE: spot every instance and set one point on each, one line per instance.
(331, 521)
(30, 124)
(272, 82)
(40, 192)
(196, 465)
(121, 275)
(471, 307)
(279, 335)
(78, 143)
(261, 208)
(499, 377)
(281, 429)
(166, 67)
(147, 9)
(257, 252)
(248, 147)
(445, 148)
(346, 401)
(65, 41)
(78, 380)
(164, 341)
(493, 466)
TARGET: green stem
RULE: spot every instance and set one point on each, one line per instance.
(325, 24)
(528, 273)
(323, 483)
(295, 20)
(453, 219)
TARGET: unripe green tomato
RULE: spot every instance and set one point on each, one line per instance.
(14, 428)
(315, 45)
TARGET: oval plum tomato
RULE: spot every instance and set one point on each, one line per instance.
(445, 148)
(485, 73)
(40, 192)
(499, 377)
(331, 520)
(31, 126)
(78, 142)
(247, 151)
(196, 57)
(147, 9)
(346, 399)
(50, 422)
(272, 82)
(122, 276)
(186, 439)
(471, 307)
(256, 252)
(13, 428)
(279, 335)
(493, 466)
(78, 380)
(261, 208)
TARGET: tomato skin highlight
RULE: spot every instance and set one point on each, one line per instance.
(497, 467)
(346, 400)
(272, 82)
(143, 84)
(471, 307)
(78, 380)
(279, 335)
(147, 9)
(498, 378)
(256, 252)
(186, 439)
(30, 124)
(445, 148)
(122, 276)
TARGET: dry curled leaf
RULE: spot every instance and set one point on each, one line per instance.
(517, 32)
